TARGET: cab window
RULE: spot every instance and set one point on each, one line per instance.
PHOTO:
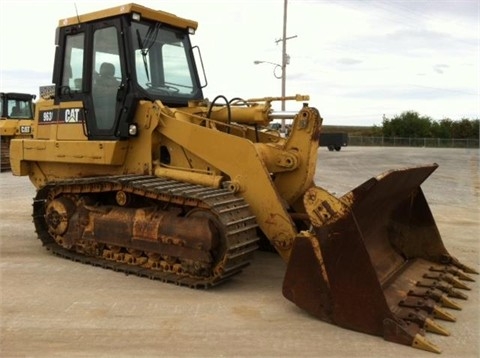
(106, 76)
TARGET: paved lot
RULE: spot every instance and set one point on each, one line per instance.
(52, 307)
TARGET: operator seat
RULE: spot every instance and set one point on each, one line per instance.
(105, 96)
(15, 112)
(106, 76)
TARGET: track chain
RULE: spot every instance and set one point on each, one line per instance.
(233, 214)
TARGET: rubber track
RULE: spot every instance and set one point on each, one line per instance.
(233, 213)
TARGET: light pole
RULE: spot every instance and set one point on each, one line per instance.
(285, 59)
(257, 62)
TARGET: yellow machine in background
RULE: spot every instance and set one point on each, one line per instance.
(136, 171)
(16, 114)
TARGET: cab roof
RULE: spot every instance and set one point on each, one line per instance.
(16, 95)
(144, 12)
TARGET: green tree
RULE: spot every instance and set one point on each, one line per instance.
(410, 124)
(376, 131)
(407, 124)
(463, 129)
(476, 128)
(442, 129)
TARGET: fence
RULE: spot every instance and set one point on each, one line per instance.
(413, 142)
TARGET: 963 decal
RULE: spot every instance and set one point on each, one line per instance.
(61, 115)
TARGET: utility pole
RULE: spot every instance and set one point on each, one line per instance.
(284, 57)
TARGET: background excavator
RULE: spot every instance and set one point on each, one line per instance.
(136, 171)
(16, 114)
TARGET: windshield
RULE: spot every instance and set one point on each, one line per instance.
(19, 108)
(163, 62)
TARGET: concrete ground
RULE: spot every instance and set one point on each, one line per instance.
(51, 307)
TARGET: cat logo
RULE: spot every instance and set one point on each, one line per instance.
(71, 115)
(25, 129)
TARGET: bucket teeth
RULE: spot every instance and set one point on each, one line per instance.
(424, 322)
(452, 261)
(427, 305)
(442, 314)
(467, 269)
(448, 289)
(435, 295)
(420, 342)
(457, 294)
(451, 270)
(434, 327)
(463, 276)
(447, 302)
(447, 278)
(457, 283)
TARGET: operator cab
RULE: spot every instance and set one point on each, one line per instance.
(109, 60)
(16, 105)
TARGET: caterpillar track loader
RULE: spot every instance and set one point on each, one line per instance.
(136, 171)
(16, 114)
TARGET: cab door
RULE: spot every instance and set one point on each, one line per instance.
(91, 76)
(106, 79)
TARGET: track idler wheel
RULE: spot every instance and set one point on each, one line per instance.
(57, 216)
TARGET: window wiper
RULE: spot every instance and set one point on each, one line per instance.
(144, 53)
(147, 43)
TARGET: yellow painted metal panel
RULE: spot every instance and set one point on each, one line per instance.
(94, 152)
(160, 16)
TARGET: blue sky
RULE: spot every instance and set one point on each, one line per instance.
(358, 60)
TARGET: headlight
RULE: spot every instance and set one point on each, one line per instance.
(132, 130)
(136, 16)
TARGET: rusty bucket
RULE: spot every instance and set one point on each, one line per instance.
(374, 261)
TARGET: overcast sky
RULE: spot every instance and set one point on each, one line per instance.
(358, 60)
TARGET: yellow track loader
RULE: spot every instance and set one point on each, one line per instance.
(136, 171)
(16, 114)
